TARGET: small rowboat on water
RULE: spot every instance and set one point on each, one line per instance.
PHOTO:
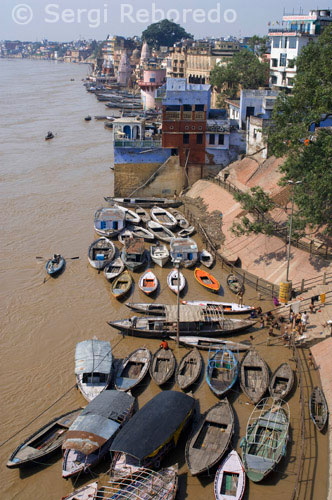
(318, 408)
(163, 217)
(143, 214)
(114, 269)
(101, 252)
(234, 284)
(206, 258)
(148, 282)
(189, 369)
(230, 480)
(176, 281)
(205, 343)
(159, 254)
(210, 438)
(133, 369)
(282, 381)
(122, 285)
(130, 215)
(254, 376)
(55, 265)
(125, 235)
(221, 370)
(206, 280)
(43, 442)
(180, 219)
(160, 232)
(141, 232)
(162, 366)
(184, 233)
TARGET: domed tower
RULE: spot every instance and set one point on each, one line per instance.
(145, 54)
(124, 72)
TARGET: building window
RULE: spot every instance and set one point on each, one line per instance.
(274, 80)
(187, 107)
(200, 127)
(199, 107)
(290, 82)
(186, 127)
(221, 139)
(292, 42)
(276, 42)
(274, 63)
(185, 138)
(199, 139)
(284, 42)
(211, 138)
(193, 127)
(283, 60)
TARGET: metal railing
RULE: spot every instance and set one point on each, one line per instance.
(187, 115)
(172, 115)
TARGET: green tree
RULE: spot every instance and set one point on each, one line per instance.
(258, 204)
(243, 70)
(164, 33)
(258, 45)
(308, 154)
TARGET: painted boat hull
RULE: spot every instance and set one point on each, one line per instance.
(207, 280)
(55, 269)
(232, 466)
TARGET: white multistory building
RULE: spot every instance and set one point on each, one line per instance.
(288, 40)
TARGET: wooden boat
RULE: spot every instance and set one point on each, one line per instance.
(143, 214)
(125, 235)
(87, 492)
(176, 281)
(206, 258)
(152, 432)
(159, 254)
(254, 376)
(185, 233)
(221, 370)
(90, 436)
(180, 219)
(184, 250)
(207, 280)
(163, 217)
(222, 307)
(121, 285)
(133, 254)
(142, 483)
(143, 202)
(205, 343)
(318, 408)
(133, 369)
(109, 222)
(210, 438)
(93, 367)
(230, 479)
(101, 252)
(234, 284)
(55, 265)
(49, 136)
(189, 369)
(114, 269)
(159, 231)
(162, 366)
(192, 321)
(148, 282)
(266, 438)
(87, 118)
(282, 381)
(141, 232)
(43, 442)
(130, 215)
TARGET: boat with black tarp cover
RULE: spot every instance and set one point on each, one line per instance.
(151, 432)
(89, 437)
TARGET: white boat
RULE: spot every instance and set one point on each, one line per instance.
(114, 269)
(101, 252)
(230, 479)
(159, 254)
(93, 367)
(184, 233)
(85, 493)
(185, 250)
(207, 343)
(141, 232)
(206, 258)
(109, 221)
(225, 307)
(126, 234)
(143, 214)
(181, 220)
(163, 217)
(160, 232)
(143, 202)
(130, 215)
(176, 281)
(148, 282)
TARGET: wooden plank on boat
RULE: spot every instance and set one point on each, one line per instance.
(133, 369)
(282, 381)
(210, 438)
(254, 376)
(230, 479)
(122, 285)
(221, 370)
(189, 369)
(162, 366)
(318, 408)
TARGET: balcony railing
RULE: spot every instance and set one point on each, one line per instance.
(199, 115)
(187, 115)
(172, 115)
(137, 143)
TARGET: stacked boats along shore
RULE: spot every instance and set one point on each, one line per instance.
(136, 239)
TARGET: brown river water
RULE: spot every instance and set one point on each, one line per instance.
(49, 193)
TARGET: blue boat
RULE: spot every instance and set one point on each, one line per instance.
(221, 370)
(55, 265)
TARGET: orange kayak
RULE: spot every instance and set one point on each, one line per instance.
(206, 279)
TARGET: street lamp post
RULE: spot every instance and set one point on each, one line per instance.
(290, 228)
(177, 266)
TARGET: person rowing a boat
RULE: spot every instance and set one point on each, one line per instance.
(56, 258)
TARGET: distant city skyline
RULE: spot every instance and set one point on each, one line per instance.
(66, 20)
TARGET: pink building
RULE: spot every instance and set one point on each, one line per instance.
(152, 80)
